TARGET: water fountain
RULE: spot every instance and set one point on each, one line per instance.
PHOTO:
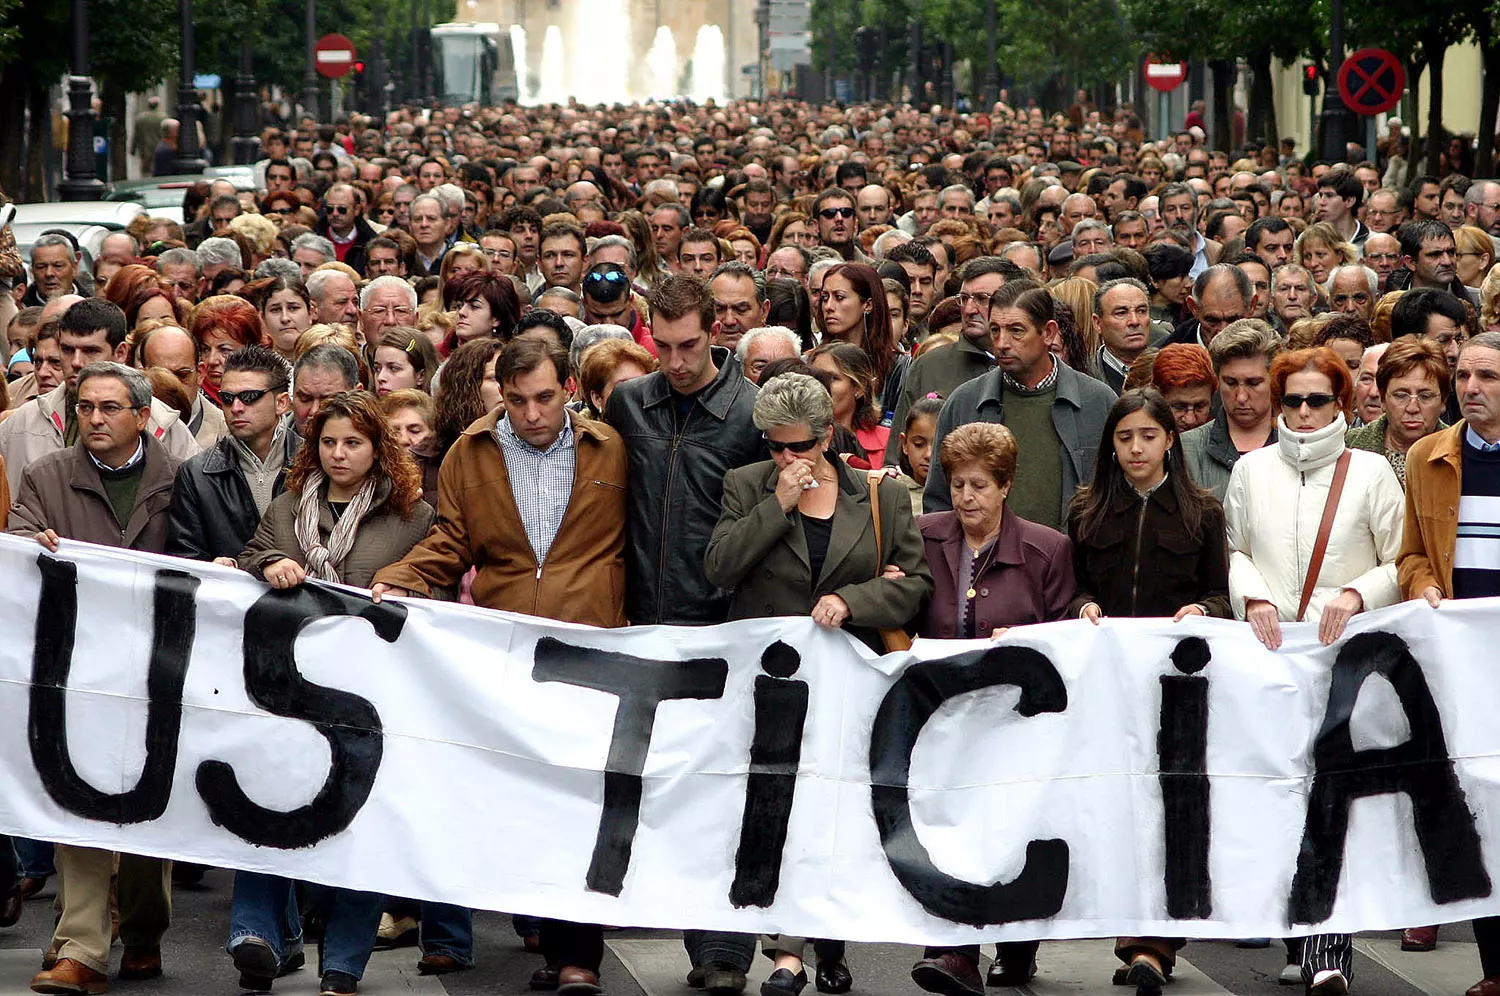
(707, 82)
(600, 72)
(661, 66)
(525, 88)
(554, 75)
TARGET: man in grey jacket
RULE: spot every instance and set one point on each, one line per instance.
(1056, 413)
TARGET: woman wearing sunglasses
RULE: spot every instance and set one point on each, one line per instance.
(1280, 502)
(797, 537)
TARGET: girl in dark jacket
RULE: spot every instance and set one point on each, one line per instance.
(1146, 542)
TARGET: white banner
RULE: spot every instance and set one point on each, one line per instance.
(1138, 777)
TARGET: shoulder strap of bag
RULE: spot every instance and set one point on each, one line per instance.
(1325, 529)
(873, 478)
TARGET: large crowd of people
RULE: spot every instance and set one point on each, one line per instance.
(905, 371)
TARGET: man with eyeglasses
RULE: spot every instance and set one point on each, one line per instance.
(341, 224)
(385, 303)
(834, 213)
(789, 262)
(501, 249)
(109, 488)
(1382, 253)
(1221, 295)
(1383, 210)
(940, 370)
(1482, 206)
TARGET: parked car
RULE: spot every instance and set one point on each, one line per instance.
(161, 196)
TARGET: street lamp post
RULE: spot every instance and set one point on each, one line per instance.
(1335, 124)
(310, 88)
(246, 111)
(82, 182)
(189, 153)
(428, 84)
(991, 70)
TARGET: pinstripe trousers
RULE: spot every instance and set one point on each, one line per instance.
(1321, 952)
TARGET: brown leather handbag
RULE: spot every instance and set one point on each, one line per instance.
(1325, 529)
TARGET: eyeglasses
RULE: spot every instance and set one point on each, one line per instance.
(1382, 257)
(1189, 407)
(108, 409)
(800, 446)
(1313, 401)
(339, 209)
(831, 213)
(401, 311)
(981, 300)
(605, 277)
(246, 398)
(283, 210)
(1404, 398)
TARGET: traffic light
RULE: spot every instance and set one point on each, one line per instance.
(1312, 75)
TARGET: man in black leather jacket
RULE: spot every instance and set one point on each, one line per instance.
(220, 494)
(685, 427)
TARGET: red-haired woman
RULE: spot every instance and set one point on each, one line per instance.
(486, 305)
(352, 505)
(138, 292)
(1276, 500)
(221, 325)
(1184, 374)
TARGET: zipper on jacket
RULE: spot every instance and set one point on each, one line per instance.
(666, 511)
(1135, 576)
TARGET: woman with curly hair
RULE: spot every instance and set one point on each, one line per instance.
(221, 325)
(467, 390)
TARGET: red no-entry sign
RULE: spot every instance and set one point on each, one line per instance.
(1163, 75)
(333, 56)
(1371, 81)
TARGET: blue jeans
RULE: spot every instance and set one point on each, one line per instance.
(351, 920)
(35, 856)
(448, 930)
(265, 907)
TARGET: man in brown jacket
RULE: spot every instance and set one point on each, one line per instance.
(533, 497)
(113, 489)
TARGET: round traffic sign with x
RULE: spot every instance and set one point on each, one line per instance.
(1371, 81)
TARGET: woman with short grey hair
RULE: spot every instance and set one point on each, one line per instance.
(797, 536)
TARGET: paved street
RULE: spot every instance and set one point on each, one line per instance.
(652, 963)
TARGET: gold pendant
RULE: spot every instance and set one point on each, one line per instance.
(971, 592)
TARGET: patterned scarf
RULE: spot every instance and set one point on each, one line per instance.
(321, 558)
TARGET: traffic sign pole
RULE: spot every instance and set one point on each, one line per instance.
(1335, 121)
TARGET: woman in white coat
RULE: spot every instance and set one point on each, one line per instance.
(1273, 509)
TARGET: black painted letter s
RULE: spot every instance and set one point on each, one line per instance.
(347, 721)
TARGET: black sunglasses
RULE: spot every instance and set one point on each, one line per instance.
(832, 213)
(246, 398)
(800, 446)
(1314, 401)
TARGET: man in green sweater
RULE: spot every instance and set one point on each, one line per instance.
(1056, 414)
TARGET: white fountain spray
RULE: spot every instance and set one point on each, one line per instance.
(661, 66)
(525, 90)
(708, 65)
(601, 71)
(554, 80)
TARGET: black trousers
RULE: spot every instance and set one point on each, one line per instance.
(573, 945)
(1487, 933)
(10, 866)
(1011, 954)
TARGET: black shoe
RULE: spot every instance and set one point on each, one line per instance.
(1147, 978)
(696, 975)
(783, 983)
(293, 964)
(723, 980)
(834, 977)
(338, 984)
(257, 963)
(544, 979)
(1005, 976)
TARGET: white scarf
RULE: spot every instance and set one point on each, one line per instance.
(321, 557)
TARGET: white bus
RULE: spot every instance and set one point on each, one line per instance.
(473, 63)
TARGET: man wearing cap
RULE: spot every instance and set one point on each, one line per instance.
(607, 301)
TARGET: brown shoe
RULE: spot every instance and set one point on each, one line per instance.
(439, 964)
(10, 908)
(949, 974)
(1146, 974)
(69, 976)
(1419, 938)
(545, 978)
(140, 963)
(1485, 987)
(574, 981)
(31, 886)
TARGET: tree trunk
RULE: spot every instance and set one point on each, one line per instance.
(1437, 51)
(1489, 106)
(112, 99)
(13, 88)
(1262, 118)
(1223, 74)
